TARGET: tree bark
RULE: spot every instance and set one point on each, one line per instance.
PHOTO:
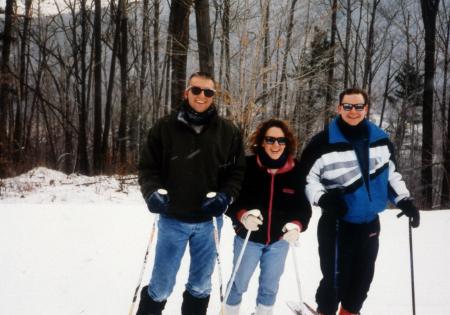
(97, 141)
(445, 188)
(157, 86)
(347, 43)
(110, 88)
(179, 34)
(330, 79)
(205, 44)
(287, 51)
(122, 133)
(5, 86)
(429, 12)
(369, 46)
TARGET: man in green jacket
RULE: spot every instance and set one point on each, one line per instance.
(189, 154)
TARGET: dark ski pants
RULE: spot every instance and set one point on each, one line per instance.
(347, 263)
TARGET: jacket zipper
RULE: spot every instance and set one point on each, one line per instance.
(270, 208)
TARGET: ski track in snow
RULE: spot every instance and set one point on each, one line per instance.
(75, 245)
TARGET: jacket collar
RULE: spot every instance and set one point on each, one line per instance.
(289, 165)
(336, 136)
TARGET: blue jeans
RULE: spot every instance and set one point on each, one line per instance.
(271, 259)
(173, 237)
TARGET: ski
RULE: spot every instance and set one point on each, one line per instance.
(296, 308)
(313, 311)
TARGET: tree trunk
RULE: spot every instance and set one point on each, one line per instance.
(179, 34)
(429, 11)
(83, 166)
(386, 88)
(122, 133)
(109, 92)
(157, 86)
(97, 141)
(287, 51)
(266, 62)
(225, 68)
(347, 43)
(445, 191)
(22, 99)
(369, 46)
(328, 112)
(5, 83)
(205, 44)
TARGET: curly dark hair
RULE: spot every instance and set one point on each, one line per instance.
(257, 137)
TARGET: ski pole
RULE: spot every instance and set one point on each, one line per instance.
(336, 263)
(152, 234)
(412, 267)
(297, 278)
(236, 267)
(411, 263)
(217, 243)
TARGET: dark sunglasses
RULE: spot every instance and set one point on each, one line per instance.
(197, 90)
(272, 140)
(348, 107)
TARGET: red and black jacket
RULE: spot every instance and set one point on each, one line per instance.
(280, 197)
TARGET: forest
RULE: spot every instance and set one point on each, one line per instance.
(81, 82)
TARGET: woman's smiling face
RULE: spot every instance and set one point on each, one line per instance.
(274, 149)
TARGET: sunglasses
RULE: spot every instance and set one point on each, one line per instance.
(272, 140)
(348, 107)
(197, 90)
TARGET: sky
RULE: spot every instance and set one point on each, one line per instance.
(48, 7)
(75, 245)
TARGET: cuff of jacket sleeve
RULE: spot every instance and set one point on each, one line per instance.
(240, 214)
(299, 224)
(317, 197)
(400, 198)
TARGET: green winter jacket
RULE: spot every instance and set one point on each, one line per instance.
(189, 164)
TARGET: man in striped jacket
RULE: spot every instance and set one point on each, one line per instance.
(351, 174)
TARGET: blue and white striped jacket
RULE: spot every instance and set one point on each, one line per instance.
(332, 164)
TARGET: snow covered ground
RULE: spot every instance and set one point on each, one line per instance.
(74, 245)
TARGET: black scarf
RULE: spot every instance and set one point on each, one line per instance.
(268, 162)
(196, 118)
(360, 131)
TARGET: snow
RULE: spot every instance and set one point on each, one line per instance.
(75, 245)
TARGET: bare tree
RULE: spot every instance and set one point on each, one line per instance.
(5, 85)
(123, 60)
(282, 84)
(97, 141)
(444, 37)
(179, 36)
(330, 81)
(429, 12)
(369, 47)
(205, 44)
(111, 83)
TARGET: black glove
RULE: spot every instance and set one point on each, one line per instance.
(410, 210)
(217, 204)
(158, 201)
(333, 204)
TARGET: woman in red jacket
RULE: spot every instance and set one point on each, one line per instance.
(273, 208)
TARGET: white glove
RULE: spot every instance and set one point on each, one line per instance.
(291, 232)
(252, 219)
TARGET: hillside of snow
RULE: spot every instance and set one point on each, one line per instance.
(73, 245)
